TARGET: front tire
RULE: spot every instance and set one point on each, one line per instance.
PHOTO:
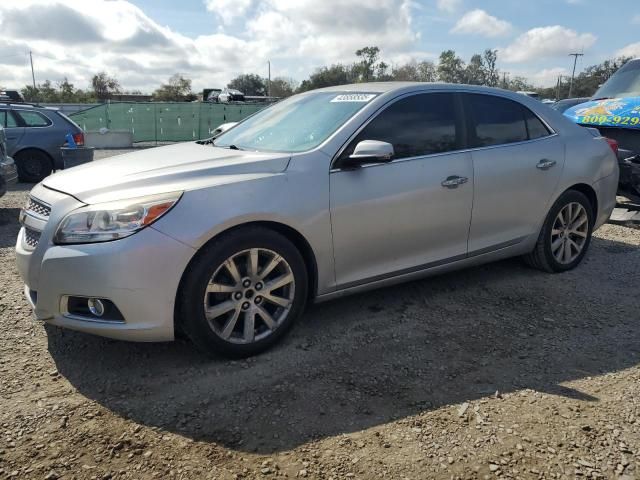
(565, 235)
(242, 292)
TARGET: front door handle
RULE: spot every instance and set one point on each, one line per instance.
(454, 181)
(545, 164)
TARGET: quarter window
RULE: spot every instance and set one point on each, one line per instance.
(33, 119)
(535, 127)
(496, 120)
(417, 125)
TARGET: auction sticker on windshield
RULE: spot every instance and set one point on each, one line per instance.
(354, 97)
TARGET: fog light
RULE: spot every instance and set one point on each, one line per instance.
(96, 307)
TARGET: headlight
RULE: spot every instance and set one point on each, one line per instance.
(109, 221)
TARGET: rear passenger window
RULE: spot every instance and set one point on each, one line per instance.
(417, 125)
(535, 127)
(496, 120)
(33, 119)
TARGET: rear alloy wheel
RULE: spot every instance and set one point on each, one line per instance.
(565, 235)
(242, 292)
(33, 165)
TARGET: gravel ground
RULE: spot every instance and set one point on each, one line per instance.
(497, 371)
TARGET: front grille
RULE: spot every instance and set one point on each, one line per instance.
(39, 208)
(31, 237)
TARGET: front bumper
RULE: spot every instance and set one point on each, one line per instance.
(140, 274)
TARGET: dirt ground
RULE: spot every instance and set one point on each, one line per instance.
(497, 371)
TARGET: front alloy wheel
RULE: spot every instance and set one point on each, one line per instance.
(249, 296)
(242, 292)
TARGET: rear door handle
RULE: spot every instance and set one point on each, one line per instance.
(453, 181)
(545, 164)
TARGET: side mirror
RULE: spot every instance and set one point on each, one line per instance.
(367, 152)
(223, 128)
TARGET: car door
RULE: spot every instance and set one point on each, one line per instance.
(517, 162)
(13, 131)
(397, 217)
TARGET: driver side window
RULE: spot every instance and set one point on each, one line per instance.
(417, 125)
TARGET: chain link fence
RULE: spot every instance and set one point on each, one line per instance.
(163, 122)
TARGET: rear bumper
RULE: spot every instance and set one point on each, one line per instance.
(606, 189)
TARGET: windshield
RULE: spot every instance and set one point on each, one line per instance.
(624, 83)
(296, 124)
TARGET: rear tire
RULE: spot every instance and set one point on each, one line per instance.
(565, 235)
(229, 301)
(33, 165)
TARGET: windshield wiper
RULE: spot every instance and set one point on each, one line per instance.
(234, 147)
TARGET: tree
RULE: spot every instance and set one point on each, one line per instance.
(67, 92)
(491, 73)
(368, 57)
(177, 89)
(29, 93)
(282, 87)
(475, 73)
(427, 71)
(327, 77)
(451, 68)
(104, 86)
(249, 84)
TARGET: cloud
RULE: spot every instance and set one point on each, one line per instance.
(78, 38)
(449, 6)
(546, 42)
(228, 10)
(480, 22)
(631, 50)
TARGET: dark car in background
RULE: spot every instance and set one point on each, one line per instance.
(34, 136)
(8, 172)
(212, 96)
(615, 111)
(567, 103)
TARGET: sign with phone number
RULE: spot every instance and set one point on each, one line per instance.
(610, 112)
(610, 120)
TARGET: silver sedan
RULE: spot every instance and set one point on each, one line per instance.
(327, 193)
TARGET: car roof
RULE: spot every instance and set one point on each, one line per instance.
(386, 87)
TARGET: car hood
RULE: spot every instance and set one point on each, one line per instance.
(611, 112)
(180, 167)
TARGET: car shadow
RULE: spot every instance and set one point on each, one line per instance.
(380, 356)
(9, 226)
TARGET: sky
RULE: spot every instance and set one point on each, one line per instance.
(142, 43)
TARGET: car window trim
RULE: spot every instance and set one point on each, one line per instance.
(461, 129)
(18, 116)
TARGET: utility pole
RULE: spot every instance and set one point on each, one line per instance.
(269, 81)
(573, 74)
(33, 76)
(558, 84)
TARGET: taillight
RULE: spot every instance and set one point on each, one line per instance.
(78, 138)
(613, 144)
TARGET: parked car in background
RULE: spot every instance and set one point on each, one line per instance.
(213, 95)
(535, 95)
(615, 111)
(34, 137)
(323, 194)
(230, 95)
(563, 105)
(8, 171)
(11, 95)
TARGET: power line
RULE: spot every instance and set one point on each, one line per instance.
(573, 74)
